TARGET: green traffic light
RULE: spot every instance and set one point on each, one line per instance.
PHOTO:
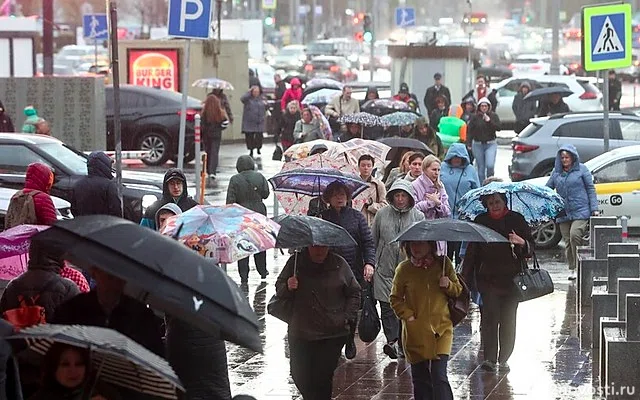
(368, 37)
(269, 21)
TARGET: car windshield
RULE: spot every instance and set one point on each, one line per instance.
(320, 48)
(66, 156)
(290, 52)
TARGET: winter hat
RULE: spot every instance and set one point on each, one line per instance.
(484, 100)
(170, 207)
(404, 88)
(420, 122)
(30, 111)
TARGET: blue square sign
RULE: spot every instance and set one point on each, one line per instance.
(608, 42)
(606, 36)
(405, 16)
(95, 26)
(190, 19)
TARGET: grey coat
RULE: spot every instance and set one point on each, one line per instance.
(387, 225)
(253, 114)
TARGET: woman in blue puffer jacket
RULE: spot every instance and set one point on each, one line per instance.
(574, 183)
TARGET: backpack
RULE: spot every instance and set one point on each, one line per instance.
(22, 209)
(29, 313)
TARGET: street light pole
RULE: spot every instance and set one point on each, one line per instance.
(115, 72)
(47, 37)
(469, 30)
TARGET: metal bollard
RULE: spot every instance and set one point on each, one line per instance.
(197, 147)
(624, 222)
(276, 211)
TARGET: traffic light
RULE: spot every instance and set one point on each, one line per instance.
(269, 21)
(359, 36)
(367, 28)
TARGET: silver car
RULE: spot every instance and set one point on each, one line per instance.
(63, 207)
(535, 148)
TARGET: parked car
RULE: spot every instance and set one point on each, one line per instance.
(334, 67)
(63, 207)
(616, 175)
(632, 72)
(535, 148)
(380, 57)
(150, 121)
(586, 96)
(534, 64)
(17, 151)
(290, 57)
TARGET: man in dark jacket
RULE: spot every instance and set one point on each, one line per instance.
(276, 116)
(552, 104)
(6, 125)
(174, 190)
(523, 109)
(249, 188)
(438, 89)
(97, 193)
(615, 91)
(9, 376)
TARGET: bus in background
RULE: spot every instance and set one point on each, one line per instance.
(478, 20)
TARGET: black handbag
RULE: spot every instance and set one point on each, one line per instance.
(277, 153)
(532, 283)
(458, 306)
(369, 326)
(281, 308)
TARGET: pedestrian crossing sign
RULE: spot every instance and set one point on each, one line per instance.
(606, 36)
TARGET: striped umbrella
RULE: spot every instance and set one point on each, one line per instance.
(116, 359)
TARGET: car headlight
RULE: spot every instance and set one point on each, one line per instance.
(147, 201)
(353, 58)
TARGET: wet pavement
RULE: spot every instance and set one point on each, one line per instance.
(547, 362)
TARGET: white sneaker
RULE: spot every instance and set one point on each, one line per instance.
(572, 275)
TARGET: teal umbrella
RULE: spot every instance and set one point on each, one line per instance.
(400, 118)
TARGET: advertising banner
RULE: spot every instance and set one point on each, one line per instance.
(157, 68)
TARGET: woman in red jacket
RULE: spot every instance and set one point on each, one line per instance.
(294, 93)
(37, 185)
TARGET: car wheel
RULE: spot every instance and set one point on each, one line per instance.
(547, 236)
(157, 144)
(543, 170)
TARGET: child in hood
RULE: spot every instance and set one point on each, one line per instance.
(30, 124)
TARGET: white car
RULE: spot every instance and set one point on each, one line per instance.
(616, 175)
(63, 207)
(585, 97)
(534, 64)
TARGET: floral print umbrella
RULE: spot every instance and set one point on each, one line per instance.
(300, 151)
(355, 148)
(363, 119)
(538, 204)
(225, 233)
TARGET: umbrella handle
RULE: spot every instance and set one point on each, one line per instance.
(295, 263)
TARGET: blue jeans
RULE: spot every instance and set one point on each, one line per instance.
(430, 381)
(485, 154)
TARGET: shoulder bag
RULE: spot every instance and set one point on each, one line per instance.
(458, 306)
(531, 283)
(282, 307)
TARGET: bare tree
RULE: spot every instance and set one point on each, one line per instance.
(149, 12)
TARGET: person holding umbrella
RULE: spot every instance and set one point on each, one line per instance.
(574, 182)
(389, 222)
(422, 286)
(214, 121)
(552, 104)
(325, 297)
(492, 266)
(361, 257)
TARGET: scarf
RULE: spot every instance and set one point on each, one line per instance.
(482, 92)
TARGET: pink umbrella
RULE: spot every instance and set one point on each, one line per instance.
(14, 249)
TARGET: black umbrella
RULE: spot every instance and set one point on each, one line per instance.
(316, 84)
(451, 230)
(298, 231)
(115, 358)
(159, 271)
(382, 107)
(397, 142)
(538, 93)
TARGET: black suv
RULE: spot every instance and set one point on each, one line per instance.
(17, 151)
(151, 122)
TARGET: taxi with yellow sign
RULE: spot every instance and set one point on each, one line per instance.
(616, 175)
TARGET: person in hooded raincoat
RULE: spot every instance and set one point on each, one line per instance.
(97, 193)
(458, 177)
(481, 137)
(31, 121)
(523, 109)
(425, 133)
(174, 190)
(38, 182)
(389, 222)
(294, 93)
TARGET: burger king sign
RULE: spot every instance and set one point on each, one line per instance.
(154, 68)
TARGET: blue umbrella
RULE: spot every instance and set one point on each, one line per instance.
(313, 182)
(322, 96)
(538, 204)
(400, 118)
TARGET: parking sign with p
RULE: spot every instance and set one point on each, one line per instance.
(190, 19)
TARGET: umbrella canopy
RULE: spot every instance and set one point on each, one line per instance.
(355, 148)
(213, 83)
(298, 203)
(538, 93)
(301, 77)
(381, 107)
(117, 359)
(300, 151)
(316, 84)
(322, 96)
(225, 233)
(298, 231)
(14, 248)
(397, 142)
(159, 271)
(362, 118)
(313, 182)
(452, 230)
(325, 127)
(538, 204)
(400, 118)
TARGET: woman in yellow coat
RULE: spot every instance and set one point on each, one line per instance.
(421, 288)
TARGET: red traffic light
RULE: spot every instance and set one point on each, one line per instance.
(359, 36)
(356, 21)
(360, 16)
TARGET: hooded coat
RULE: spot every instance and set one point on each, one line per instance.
(32, 119)
(96, 193)
(481, 130)
(575, 186)
(6, 125)
(523, 109)
(248, 187)
(431, 139)
(253, 113)
(170, 207)
(293, 93)
(39, 178)
(389, 222)
(458, 180)
(41, 282)
(490, 94)
(183, 201)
